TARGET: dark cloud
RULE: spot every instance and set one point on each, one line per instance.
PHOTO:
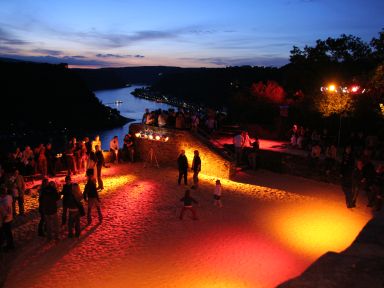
(6, 38)
(264, 60)
(121, 40)
(70, 60)
(48, 52)
(118, 56)
(8, 50)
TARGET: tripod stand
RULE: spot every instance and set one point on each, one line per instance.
(151, 157)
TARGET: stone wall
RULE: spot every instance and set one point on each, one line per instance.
(166, 153)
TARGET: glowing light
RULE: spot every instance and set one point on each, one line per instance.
(382, 108)
(151, 135)
(332, 88)
(355, 88)
(317, 229)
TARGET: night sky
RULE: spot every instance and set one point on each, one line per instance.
(194, 33)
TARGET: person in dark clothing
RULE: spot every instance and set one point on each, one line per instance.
(358, 181)
(66, 192)
(91, 195)
(346, 173)
(74, 205)
(49, 198)
(51, 160)
(182, 163)
(377, 187)
(188, 200)
(253, 156)
(128, 148)
(196, 168)
(369, 176)
(70, 157)
(6, 218)
(99, 164)
(41, 228)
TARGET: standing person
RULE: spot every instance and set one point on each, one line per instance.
(83, 157)
(7, 218)
(75, 208)
(145, 115)
(253, 156)
(49, 199)
(96, 142)
(188, 200)
(88, 145)
(92, 196)
(346, 173)
(70, 157)
(217, 194)
(196, 168)
(238, 141)
(66, 192)
(128, 148)
(51, 160)
(99, 164)
(41, 228)
(13, 192)
(20, 186)
(42, 162)
(114, 148)
(182, 163)
(195, 122)
(358, 181)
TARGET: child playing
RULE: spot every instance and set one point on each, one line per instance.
(187, 199)
(217, 195)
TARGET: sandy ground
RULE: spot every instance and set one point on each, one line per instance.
(270, 229)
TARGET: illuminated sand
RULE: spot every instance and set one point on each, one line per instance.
(262, 237)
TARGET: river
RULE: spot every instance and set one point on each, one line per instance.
(130, 107)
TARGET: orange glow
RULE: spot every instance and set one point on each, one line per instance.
(310, 230)
(332, 88)
(137, 135)
(318, 228)
(157, 137)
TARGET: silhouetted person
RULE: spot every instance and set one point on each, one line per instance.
(196, 168)
(92, 197)
(346, 173)
(182, 163)
(187, 201)
(99, 164)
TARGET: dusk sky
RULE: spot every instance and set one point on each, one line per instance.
(194, 33)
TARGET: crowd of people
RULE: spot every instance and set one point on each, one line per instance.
(246, 150)
(209, 120)
(359, 174)
(83, 156)
(359, 164)
(73, 200)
